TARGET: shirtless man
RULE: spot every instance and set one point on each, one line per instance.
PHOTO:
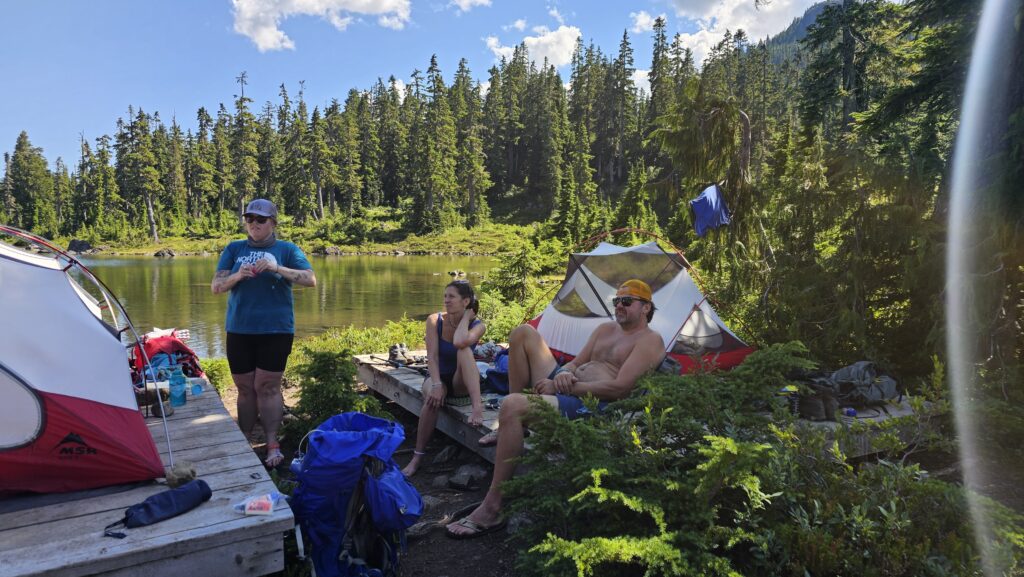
(616, 355)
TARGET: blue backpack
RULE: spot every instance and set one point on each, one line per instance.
(352, 501)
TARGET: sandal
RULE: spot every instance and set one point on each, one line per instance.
(488, 440)
(274, 455)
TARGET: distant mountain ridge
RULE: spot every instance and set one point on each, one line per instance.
(784, 45)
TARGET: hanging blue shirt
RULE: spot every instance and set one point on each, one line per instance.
(261, 305)
(709, 210)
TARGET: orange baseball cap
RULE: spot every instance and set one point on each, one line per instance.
(635, 288)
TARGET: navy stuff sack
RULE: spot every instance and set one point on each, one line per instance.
(165, 505)
(497, 377)
(395, 505)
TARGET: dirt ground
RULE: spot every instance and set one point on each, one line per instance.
(430, 552)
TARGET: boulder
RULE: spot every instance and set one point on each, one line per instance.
(329, 251)
(79, 246)
(164, 253)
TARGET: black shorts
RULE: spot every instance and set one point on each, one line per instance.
(246, 353)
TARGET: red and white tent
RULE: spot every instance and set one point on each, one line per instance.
(68, 415)
(690, 328)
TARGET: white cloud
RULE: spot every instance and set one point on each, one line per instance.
(494, 45)
(484, 87)
(259, 20)
(555, 45)
(641, 81)
(467, 5)
(714, 17)
(643, 22)
(519, 25)
(553, 12)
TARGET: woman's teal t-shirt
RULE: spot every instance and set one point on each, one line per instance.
(261, 305)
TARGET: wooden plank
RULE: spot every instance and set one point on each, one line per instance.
(403, 386)
(66, 538)
(254, 557)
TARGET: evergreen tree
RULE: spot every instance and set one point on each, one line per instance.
(270, 155)
(392, 135)
(470, 170)
(31, 188)
(323, 171)
(493, 133)
(202, 162)
(63, 197)
(369, 151)
(223, 165)
(437, 208)
(415, 175)
(244, 148)
(298, 189)
(634, 209)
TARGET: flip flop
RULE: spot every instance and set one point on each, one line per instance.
(478, 529)
(274, 455)
(488, 440)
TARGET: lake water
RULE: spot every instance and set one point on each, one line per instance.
(364, 291)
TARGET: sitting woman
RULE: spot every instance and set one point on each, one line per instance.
(451, 337)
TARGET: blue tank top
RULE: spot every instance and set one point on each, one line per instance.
(447, 351)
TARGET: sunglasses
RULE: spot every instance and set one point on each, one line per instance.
(260, 219)
(625, 301)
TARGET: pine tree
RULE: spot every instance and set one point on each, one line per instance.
(634, 209)
(369, 151)
(31, 188)
(270, 155)
(244, 148)
(493, 134)
(470, 170)
(202, 160)
(297, 187)
(63, 197)
(393, 134)
(440, 211)
(223, 165)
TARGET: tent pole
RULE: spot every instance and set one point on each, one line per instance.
(579, 267)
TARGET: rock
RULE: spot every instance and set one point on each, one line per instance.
(164, 253)
(429, 502)
(399, 253)
(79, 246)
(517, 522)
(440, 482)
(468, 477)
(328, 251)
(449, 453)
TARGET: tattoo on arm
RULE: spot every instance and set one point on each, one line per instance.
(219, 279)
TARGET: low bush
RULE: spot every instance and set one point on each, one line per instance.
(709, 474)
(218, 372)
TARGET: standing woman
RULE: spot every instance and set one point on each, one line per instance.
(451, 337)
(259, 273)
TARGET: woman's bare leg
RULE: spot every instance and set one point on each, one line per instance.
(424, 431)
(271, 407)
(467, 378)
(246, 405)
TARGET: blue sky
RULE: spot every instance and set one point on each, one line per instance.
(72, 67)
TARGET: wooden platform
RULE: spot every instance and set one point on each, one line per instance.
(62, 535)
(405, 387)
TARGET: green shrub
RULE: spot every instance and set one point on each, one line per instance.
(219, 373)
(709, 474)
(327, 381)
